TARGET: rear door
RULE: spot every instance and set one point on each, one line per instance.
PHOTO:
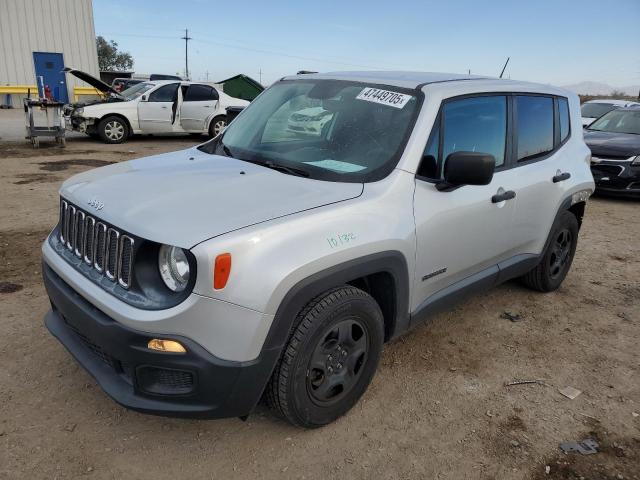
(543, 168)
(157, 114)
(461, 233)
(49, 73)
(199, 104)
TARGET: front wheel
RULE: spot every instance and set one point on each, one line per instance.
(557, 257)
(330, 358)
(113, 129)
(217, 125)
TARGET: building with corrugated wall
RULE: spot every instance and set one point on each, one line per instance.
(38, 38)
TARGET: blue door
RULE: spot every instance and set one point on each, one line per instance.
(49, 66)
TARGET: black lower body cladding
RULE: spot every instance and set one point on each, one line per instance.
(194, 384)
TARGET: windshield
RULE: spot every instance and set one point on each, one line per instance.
(134, 92)
(595, 110)
(324, 129)
(618, 121)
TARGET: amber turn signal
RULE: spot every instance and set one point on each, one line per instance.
(221, 270)
(163, 345)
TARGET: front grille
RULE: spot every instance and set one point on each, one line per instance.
(104, 248)
(607, 169)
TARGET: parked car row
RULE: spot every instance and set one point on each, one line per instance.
(594, 109)
(150, 107)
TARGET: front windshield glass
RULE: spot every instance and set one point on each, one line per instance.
(324, 129)
(134, 92)
(618, 121)
(595, 110)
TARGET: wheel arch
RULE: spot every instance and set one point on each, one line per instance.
(384, 275)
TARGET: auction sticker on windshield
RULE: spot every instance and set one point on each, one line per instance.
(384, 97)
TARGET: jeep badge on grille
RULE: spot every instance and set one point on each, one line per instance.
(95, 203)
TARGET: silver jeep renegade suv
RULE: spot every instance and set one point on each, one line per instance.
(273, 262)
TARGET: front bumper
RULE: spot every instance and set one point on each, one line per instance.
(617, 178)
(194, 384)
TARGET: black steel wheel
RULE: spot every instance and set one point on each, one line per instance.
(556, 260)
(330, 358)
(336, 363)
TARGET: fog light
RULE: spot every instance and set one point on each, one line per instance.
(166, 346)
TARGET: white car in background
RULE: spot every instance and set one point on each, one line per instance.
(309, 121)
(594, 109)
(151, 107)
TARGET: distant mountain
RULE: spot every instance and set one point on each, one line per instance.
(598, 88)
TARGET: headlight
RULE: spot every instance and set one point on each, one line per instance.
(174, 267)
(636, 161)
(78, 111)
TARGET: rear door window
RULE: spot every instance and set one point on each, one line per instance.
(534, 120)
(200, 93)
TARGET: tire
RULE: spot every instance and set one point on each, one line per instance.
(556, 261)
(217, 125)
(330, 358)
(113, 129)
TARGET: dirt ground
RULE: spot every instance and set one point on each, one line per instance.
(438, 407)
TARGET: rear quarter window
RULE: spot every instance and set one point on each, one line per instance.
(563, 110)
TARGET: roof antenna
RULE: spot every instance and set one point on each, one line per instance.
(505, 66)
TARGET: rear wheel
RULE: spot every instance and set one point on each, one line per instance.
(556, 261)
(330, 358)
(217, 125)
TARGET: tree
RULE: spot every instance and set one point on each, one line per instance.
(110, 59)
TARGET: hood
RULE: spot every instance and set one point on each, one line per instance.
(183, 198)
(612, 144)
(93, 81)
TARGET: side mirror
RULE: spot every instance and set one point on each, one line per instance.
(467, 168)
(144, 98)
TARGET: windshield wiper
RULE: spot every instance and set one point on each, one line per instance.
(226, 150)
(284, 169)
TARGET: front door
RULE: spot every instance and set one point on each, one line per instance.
(462, 233)
(198, 105)
(49, 75)
(158, 113)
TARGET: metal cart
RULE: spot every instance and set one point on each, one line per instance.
(54, 126)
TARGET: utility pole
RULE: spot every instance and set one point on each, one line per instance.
(260, 73)
(207, 75)
(186, 39)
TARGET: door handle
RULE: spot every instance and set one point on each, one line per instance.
(561, 177)
(501, 197)
(207, 106)
(164, 106)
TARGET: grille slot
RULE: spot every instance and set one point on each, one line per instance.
(70, 223)
(111, 255)
(124, 265)
(78, 233)
(88, 240)
(100, 246)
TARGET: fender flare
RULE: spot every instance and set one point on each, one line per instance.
(392, 262)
